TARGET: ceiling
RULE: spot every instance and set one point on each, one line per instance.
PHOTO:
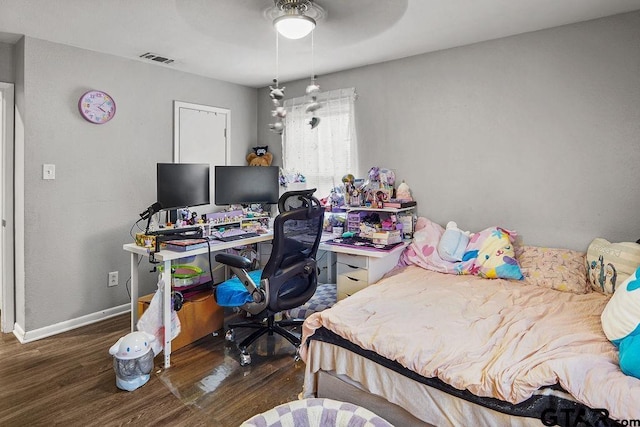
(234, 41)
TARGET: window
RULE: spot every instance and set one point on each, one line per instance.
(327, 152)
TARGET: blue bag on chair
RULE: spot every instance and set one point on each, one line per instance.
(232, 292)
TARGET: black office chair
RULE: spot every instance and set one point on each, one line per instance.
(289, 278)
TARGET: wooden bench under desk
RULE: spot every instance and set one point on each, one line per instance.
(166, 257)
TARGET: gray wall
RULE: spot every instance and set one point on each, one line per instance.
(6, 63)
(75, 225)
(537, 132)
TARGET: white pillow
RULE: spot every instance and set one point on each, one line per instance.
(453, 243)
(621, 315)
(609, 264)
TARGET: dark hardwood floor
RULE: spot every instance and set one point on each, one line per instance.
(69, 380)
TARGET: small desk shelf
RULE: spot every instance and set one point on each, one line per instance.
(358, 268)
(388, 210)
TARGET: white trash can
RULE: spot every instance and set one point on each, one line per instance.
(132, 360)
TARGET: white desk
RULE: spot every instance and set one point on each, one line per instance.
(378, 263)
(358, 268)
(166, 256)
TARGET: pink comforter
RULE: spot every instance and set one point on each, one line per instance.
(495, 338)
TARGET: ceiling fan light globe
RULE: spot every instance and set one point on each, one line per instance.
(295, 26)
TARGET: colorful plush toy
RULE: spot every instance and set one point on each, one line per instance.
(260, 156)
(621, 323)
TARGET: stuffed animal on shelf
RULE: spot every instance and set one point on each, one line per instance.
(404, 192)
(260, 156)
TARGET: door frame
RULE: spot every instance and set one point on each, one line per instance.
(7, 248)
(178, 106)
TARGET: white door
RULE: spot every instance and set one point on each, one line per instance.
(201, 135)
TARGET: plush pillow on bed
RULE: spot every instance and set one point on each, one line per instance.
(609, 264)
(453, 243)
(423, 250)
(559, 269)
(621, 323)
(489, 254)
(493, 254)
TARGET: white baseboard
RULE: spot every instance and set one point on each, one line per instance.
(67, 325)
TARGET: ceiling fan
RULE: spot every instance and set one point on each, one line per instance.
(295, 19)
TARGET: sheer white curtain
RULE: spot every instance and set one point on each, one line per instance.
(328, 152)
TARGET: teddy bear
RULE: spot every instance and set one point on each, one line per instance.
(260, 156)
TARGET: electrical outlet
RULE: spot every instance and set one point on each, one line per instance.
(113, 279)
(48, 171)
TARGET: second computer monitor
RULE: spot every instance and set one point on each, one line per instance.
(246, 185)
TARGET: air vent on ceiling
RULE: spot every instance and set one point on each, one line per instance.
(157, 58)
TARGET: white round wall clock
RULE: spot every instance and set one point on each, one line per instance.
(97, 107)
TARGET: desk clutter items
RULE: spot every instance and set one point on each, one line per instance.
(387, 237)
(368, 212)
(133, 360)
(372, 192)
(226, 217)
(362, 243)
(380, 188)
(246, 220)
(184, 245)
(145, 240)
(292, 180)
(182, 239)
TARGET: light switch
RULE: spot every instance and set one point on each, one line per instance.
(48, 171)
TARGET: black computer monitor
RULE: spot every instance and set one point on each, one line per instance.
(181, 185)
(246, 185)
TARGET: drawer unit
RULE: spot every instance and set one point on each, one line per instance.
(356, 272)
(353, 261)
(353, 274)
(353, 221)
(348, 286)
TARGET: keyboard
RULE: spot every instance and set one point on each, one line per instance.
(239, 236)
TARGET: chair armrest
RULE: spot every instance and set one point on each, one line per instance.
(233, 260)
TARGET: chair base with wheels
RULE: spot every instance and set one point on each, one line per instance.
(270, 326)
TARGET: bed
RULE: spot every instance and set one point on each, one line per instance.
(449, 343)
